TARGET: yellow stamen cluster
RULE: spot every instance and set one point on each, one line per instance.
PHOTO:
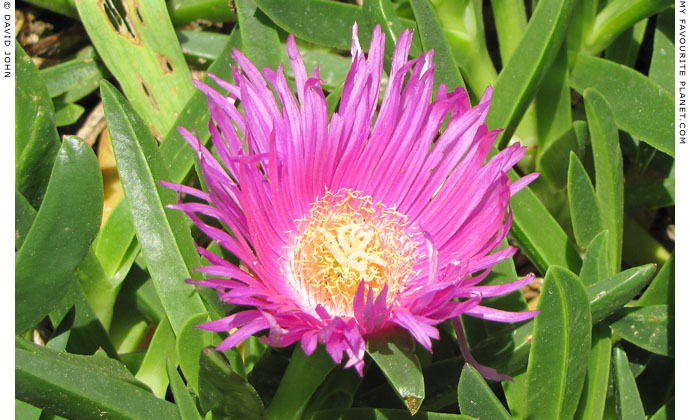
(347, 238)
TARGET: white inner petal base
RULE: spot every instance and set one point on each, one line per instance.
(347, 238)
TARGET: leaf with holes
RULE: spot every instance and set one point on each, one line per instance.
(160, 84)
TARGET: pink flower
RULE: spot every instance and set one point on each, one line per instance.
(376, 217)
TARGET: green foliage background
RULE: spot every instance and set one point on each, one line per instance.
(105, 324)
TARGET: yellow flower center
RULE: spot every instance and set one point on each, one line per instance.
(347, 238)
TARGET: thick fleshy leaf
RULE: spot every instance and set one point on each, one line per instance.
(337, 391)
(183, 401)
(78, 76)
(87, 334)
(84, 387)
(190, 342)
(97, 288)
(593, 399)
(60, 236)
(201, 45)
(608, 296)
(650, 195)
(183, 12)
(153, 368)
(384, 414)
(616, 17)
(666, 412)
(608, 166)
(64, 7)
(36, 141)
(160, 84)
(321, 22)
(26, 411)
(628, 402)
(560, 347)
(24, 215)
(625, 48)
(644, 247)
(394, 355)
(661, 68)
(129, 326)
(595, 263)
(116, 245)
(164, 237)
(518, 82)
(333, 68)
(295, 388)
(31, 95)
(584, 207)
(661, 290)
(224, 392)
(384, 14)
(639, 105)
(538, 234)
(476, 399)
(67, 114)
(431, 33)
(515, 393)
(259, 35)
(649, 327)
(552, 103)
(552, 161)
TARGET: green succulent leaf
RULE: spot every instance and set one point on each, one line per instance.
(183, 400)
(190, 342)
(595, 263)
(160, 84)
(295, 388)
(649, 327)
(394, 355)
(36, 142)
(431, 33)
(560, 346)
(628, 402)
(518, 82)
(384, 414)
(224, 392)
(593, 399)
(608, 165)
(476, 399)
(165, 239)
(153, 370)
(661, 290)
(319, 21)
(608, 296)
(553, 158)
(61, 234)
(640, 106)
(584, 207)
(259, 35)
(84, 387)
